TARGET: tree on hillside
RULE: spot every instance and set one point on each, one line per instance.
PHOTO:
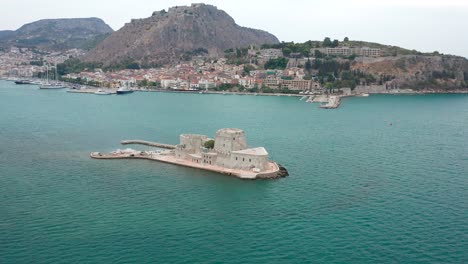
(327, 42)
(279, 63)
(346, 39)
(287, 51)
(318, 54)
(335, 43)
(308, 65)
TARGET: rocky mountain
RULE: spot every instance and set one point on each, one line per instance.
(58, 34)
(177, 34)
(6, 34)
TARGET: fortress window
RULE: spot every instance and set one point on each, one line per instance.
(243, 159)
(250, 160)
(233, 138)
(236, 158)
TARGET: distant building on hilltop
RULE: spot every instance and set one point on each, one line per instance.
(347, 51)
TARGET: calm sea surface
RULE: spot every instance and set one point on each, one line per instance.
(360, 190)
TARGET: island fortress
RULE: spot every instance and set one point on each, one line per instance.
(230, 151)
(227, 153)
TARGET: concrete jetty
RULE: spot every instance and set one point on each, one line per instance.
(333, 102)
(147, 143)
(90, 91)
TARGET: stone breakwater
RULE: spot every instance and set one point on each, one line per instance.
(147, 143)
(274, 171)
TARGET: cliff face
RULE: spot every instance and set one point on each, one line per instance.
(168, 36)
(58, 34)
(418, 71)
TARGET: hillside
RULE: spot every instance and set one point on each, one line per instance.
(58, 34)
(418, 71)
(176, 35)
(393, 65)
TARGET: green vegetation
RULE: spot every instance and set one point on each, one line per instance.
(277, 64)
(224, 87)
(236, 56)
(290, 47)
(209, 144)
(445, 75)
(333, 74)
(37, 63)
(148, 84)
(31, 41)
(82, 82)
(385, 78)
(188, 55)
(76, 66)
(331, 44)
(248, 68)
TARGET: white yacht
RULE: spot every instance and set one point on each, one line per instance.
(102, 92)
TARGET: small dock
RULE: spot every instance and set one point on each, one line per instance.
(147, 143)
(90, 91)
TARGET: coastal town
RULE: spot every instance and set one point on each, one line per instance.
(322, 72)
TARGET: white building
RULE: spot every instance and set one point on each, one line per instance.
(167, 83)
(347, 51)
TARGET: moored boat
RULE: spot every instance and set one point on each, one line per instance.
(124, 90)
(51, 86)
(102, 92)
(23, 82)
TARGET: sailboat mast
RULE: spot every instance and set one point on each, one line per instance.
(56, 77)
(47, 74)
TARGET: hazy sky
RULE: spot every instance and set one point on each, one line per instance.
(425, 25)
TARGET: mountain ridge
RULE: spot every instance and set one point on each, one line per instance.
(177, 34)
(57, 34)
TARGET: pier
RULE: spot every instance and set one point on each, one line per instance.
(147, 143)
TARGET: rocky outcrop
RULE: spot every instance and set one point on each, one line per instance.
(58, 34)
(418, 71)
(176, 35)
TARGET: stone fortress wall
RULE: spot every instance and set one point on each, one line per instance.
(230, 151)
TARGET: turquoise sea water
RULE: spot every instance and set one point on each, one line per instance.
(360, 190)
